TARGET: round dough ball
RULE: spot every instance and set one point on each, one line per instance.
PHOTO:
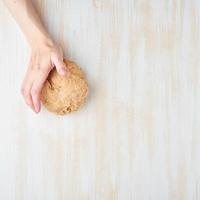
(65, 94)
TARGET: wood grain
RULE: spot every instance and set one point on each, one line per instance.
(137, 138)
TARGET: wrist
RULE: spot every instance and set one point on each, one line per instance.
(42, 40)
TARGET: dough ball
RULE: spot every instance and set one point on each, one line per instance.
(65, 94)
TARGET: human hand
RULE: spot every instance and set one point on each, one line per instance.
(44, 57)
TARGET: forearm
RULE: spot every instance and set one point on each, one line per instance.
(28, 19)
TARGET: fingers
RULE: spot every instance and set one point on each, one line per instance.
(37, 87)
(27, 97)
(57, 61)
(32, 86)
(25, 90)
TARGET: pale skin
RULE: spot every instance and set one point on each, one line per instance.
(45, 53)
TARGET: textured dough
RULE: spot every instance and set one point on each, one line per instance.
(65, 94)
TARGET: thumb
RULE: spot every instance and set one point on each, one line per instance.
(59, 64)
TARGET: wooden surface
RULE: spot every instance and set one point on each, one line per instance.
(138, 136)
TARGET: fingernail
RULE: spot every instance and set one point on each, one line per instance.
(37, 108)
(63, 71)
(28, 103)
(36, 111)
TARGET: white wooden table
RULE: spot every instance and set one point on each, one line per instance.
(138, 136)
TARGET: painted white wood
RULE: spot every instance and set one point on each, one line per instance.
(137, 138)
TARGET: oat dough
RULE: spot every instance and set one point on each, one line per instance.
(65, 94)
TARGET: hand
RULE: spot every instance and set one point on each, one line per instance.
(44, 57)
